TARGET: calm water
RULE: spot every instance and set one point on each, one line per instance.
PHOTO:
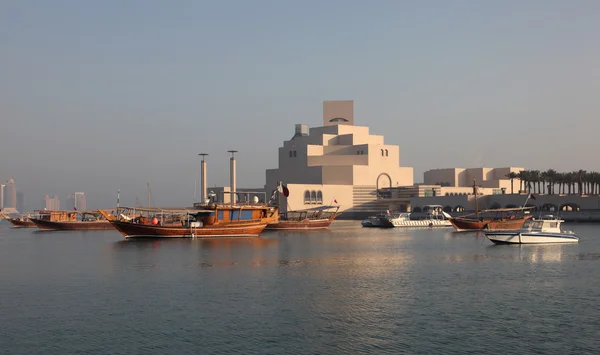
(345, 291)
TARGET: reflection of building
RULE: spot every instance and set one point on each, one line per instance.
(52, 204)
(10, 194)
(338, 162)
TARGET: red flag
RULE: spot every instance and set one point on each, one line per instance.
(335, 200)
(74, 208)
(286, 192)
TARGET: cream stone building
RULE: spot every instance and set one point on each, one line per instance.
(487, 178)
(338, 164)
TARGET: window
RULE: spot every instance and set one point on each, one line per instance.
(306, 197)
(386, 152)
(338, 119)
(382, 152)
(294, 153)
(313, 196)
(362, 152)
(319, 197)
(290, 153)
(358, 152)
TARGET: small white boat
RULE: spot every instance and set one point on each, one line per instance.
(535, 231)
(435, 217)
(373, 221)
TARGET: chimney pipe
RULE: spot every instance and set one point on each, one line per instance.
(203, 178)
(232, 194)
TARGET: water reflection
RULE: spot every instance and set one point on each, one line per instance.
(207, 243)
(534, 253)
(463, 234)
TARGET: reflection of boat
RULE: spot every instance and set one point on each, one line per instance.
(491, 219)
(546, 230)
(212, 221)
(71, 220)
(313, 218)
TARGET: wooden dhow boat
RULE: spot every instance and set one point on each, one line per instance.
(19, 222)
(492, 219)
(319, 217)
(313, 218)
(71, 220)
(200, 221)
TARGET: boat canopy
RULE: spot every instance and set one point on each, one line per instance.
(171, 210)
(319, 208)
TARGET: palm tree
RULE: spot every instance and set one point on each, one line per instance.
(580, 177)
(521, 175)
(512, 176)
(535, 178)
(552, 176)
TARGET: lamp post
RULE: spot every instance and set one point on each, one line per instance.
(232, 175)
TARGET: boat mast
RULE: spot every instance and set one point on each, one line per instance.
(148, 188)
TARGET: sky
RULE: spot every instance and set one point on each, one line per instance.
(100, 96)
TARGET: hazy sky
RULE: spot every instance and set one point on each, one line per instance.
(97, 96)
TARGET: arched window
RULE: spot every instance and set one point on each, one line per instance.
(306, 197)
(416, 209)
(386, 152)
(362, 152)
(382, 152)
(338, 119)
(290, 153)
(319, 197)
(313, 196)
(459, 208)
(294, 153)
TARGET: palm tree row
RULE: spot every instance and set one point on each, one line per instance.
(546, 182)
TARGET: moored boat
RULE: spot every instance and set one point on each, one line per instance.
(212, 221)
(71, 220)
(491, 219)
(535, 231)
(435, 217)
(314, 218)
(20, 222)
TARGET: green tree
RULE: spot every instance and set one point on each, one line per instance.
(512, 176)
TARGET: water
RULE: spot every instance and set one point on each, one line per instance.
(350, 290)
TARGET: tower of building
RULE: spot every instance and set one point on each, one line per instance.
(10, 194)
(51, 204)
(79, 202)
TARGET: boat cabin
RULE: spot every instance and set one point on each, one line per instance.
(546, 224)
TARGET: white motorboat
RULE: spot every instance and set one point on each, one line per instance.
(373, 221)
(535, 231)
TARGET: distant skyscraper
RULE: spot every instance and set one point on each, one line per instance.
(52, 204)
(1, 196)
(79, 201)
(10, 191)
(20, 201)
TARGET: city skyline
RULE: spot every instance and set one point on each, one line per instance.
(462, 83)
